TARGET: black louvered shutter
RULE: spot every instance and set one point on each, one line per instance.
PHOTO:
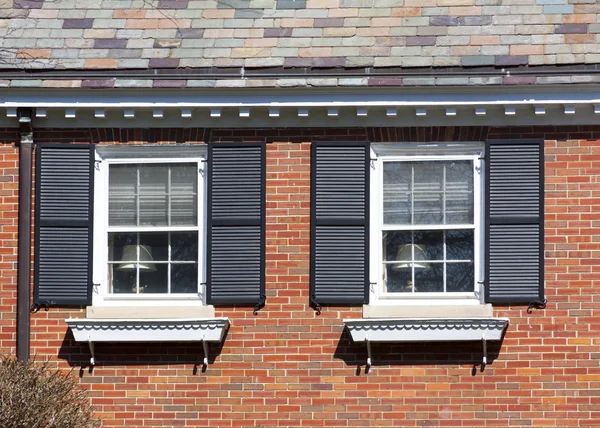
(514, 221)
(236, 223)
(63, 224)
(339, 223)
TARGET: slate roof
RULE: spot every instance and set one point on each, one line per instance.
(176, 35)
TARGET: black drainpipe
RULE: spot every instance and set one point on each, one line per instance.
(24, 251)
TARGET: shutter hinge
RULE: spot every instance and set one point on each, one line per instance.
(537, 304)
(314, 304)
(37, 306)
(260, 304)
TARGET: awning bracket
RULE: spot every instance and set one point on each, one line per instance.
(205, 347)
(484, 349)
(369, 361)
(92, 353)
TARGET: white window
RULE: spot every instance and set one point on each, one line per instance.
(426, 225)
(149, 222)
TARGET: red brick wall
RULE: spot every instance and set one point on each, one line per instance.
(289, 367)
(9, 199)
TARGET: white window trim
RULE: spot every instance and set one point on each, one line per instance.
(100, 296)
(377, 298)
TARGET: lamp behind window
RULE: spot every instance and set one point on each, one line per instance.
(405, 252)
(146, 262)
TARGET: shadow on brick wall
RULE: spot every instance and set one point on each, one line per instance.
(77, 354)
(416, 354)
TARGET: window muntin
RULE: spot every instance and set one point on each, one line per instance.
(428, 227)
(153, 229)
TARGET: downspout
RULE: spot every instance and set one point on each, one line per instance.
(24, 230)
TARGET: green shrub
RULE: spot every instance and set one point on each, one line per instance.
(33, 395)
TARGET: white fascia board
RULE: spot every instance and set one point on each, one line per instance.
(302, 98)
(426, 329)
(148, 330)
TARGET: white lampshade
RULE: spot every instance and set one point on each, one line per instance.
(405, 252)
(145, 262)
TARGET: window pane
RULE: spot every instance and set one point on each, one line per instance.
(431, 243)
(184, 205)
(397, 179)
(427, 188)
(397, 280)
(156, 245)
(428, 192)
(429, 278)
(119, 247)
(121, 281)
(459, 192)
(393, 242)
(460, 277)
(417, 245)
(184, 246)
(459, 245)
(184, 278)
(122, 199)
(152, 282)
(153, 195)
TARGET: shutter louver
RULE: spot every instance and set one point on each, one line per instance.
(515, 222)
(63, 224)
(236, 223)
(339, 223)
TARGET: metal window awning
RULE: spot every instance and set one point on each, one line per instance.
(148, 330)
(426, 330)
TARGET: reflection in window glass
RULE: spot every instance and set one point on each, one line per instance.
(434, 192)
(153, 195)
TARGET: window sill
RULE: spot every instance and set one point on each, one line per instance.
(430, 311)
(140, 312)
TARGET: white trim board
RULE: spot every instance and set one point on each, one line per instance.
(308, 107)
(313, 117)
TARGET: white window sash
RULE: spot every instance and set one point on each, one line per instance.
(377, 226)
(101, 296)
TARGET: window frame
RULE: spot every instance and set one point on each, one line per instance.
(377, 296)
(100, 295)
